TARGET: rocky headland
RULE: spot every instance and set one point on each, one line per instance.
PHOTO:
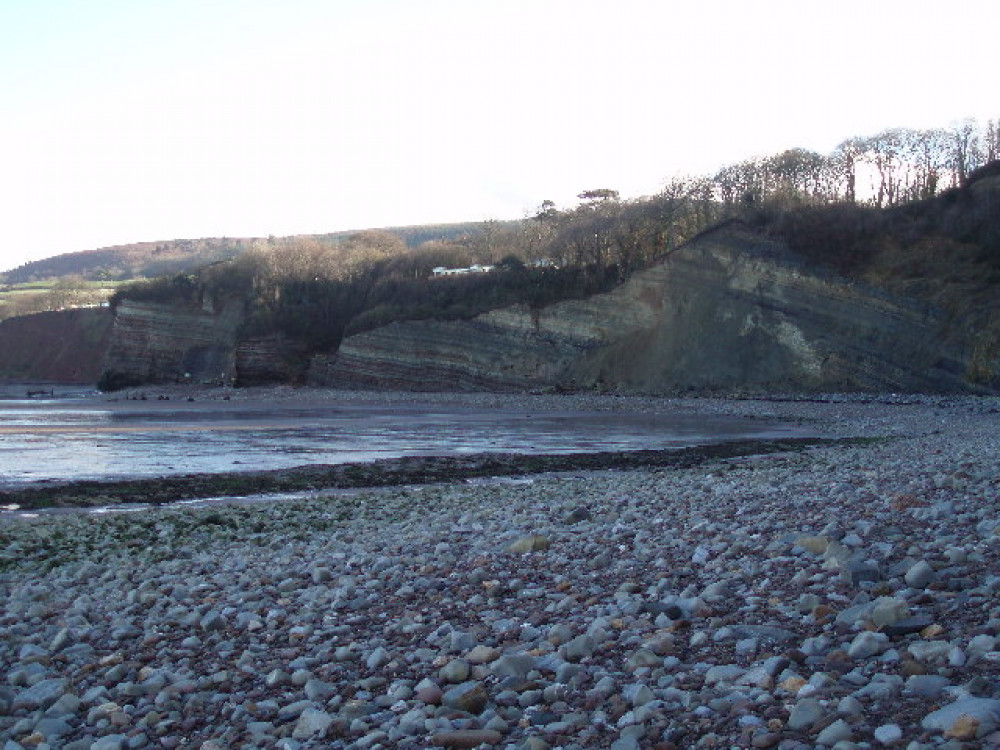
(844, 596)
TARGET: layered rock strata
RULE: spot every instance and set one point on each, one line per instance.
(155, 343)
(270, 359)
(731, 310)
(497, 351)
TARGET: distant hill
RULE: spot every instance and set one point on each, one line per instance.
(168, 257)
(124, 262)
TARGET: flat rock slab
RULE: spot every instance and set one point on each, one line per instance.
(985, 711)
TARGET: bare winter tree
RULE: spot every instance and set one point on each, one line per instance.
(928, 152)
(796, 172)
(743, 183)
(886, 151)
(966, 152)
(991, 140)
(844, 164)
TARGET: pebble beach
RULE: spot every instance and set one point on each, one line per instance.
(844, 596)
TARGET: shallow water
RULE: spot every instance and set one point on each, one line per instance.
(71, 437)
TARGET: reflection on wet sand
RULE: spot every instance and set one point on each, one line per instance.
(65, 440)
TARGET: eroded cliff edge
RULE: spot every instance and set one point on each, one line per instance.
(730, 311)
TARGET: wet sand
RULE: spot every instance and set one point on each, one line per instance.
(261, 440)
(386, 472)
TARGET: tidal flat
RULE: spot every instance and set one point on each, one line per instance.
(167, 433)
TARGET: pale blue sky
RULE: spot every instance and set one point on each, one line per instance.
(132, 120)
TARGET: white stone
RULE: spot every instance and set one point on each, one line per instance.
(867, 644)
(887, 734)
(311, 723)
(985, 710)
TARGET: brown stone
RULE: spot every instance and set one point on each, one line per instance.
(908, 668)
(815, 545)
(765, 739)
(431, 695)
(932, 631)
(838, 654)
(823, 612)
(482, 655)
(472, 700)
(661, 645)
(792, 685)
(965, 728)
(838, 661)
(907, 501)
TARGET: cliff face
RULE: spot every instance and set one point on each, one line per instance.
(270, 359)
(497, 351)
(729, 311)
(54, 347)
(153, 343)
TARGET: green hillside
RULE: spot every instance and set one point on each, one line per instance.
(166, 257)
(90, 277)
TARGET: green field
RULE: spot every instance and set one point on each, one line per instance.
(52, 294)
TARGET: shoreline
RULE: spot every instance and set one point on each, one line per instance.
(380, 473)
(813, 411)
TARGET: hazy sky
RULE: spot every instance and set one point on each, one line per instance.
(132, 120)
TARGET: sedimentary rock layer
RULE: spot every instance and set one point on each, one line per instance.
(270, 359)
(156, 343)
(497, 351)
(730, 310)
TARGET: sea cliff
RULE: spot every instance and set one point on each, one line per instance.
(158, 343)
(730, 311)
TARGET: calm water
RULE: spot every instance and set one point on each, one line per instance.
(73, 437)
